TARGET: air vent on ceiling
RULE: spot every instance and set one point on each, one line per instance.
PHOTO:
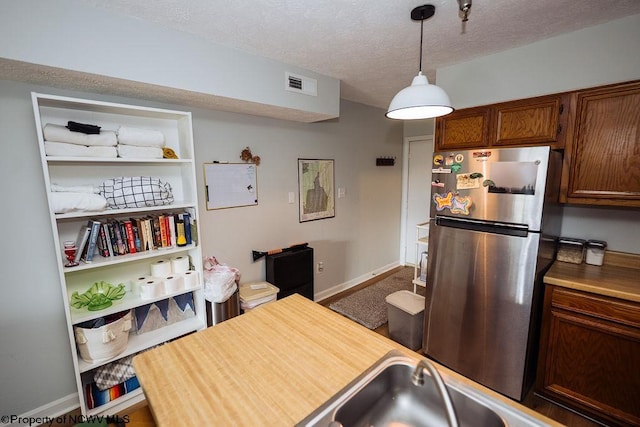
(301, 84)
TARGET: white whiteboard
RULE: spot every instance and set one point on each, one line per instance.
(230, 185)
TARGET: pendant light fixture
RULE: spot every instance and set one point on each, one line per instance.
(421, 100)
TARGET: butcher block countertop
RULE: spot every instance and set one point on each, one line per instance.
(270, 366)
(618, 277)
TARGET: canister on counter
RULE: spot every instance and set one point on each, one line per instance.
(595, 252)
(571, 250)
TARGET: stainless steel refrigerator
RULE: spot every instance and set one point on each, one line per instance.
(494, 224)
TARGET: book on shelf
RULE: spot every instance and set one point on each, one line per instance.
(119, 238)
(146, 232)
(103, 249)
(172, 230)
(137, 234)
(131, 240)
(112, 236)
(163, 230)
(157, 238)
(186, 217)
(81, 241)
(93, 240)
(107, 235)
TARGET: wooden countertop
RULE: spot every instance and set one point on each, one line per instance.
(619, 277)
(271, 366)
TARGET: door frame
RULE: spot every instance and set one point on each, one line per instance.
(404, 226)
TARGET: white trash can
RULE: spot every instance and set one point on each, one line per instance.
(406, 317)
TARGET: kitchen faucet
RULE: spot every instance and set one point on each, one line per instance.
(418, 379)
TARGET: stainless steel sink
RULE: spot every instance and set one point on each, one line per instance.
(385, 395)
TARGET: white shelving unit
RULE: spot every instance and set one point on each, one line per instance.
(422, 247)
(70, 171)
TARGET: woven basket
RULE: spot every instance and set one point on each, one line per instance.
(105, 342)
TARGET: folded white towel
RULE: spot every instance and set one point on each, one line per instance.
(72, 150)
(63, 202)
(75, 188)
(140, 137)
(137, 152)
(57, 133)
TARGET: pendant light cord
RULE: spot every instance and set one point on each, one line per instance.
(421, 33)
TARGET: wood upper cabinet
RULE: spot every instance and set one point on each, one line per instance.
(467, 128)
(602, 162)
(532, 121)
(590, 354)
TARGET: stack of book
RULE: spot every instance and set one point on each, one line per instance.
(114, 237)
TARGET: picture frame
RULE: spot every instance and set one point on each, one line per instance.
(316, 185)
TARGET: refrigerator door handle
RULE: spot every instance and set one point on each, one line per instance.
(518, 230)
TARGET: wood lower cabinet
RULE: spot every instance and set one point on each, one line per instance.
(532, 121)
(602, 163)
(590, 355)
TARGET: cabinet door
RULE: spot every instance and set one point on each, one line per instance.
(468, 128)
(590, 363)
(530, 121)
(605, 153)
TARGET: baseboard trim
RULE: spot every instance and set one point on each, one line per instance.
(50, 410)
(327, 293)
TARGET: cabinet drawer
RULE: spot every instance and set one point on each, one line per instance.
(614, 310)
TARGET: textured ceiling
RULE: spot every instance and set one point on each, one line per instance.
(372, 46)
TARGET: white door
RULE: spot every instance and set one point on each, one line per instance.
(418, 190)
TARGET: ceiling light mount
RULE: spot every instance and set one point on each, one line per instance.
(421, 100)
(423, 12)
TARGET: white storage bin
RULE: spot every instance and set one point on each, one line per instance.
(105, 342)
(254, 294)
(406, 315)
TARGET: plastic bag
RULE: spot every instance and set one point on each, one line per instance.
(220, 280)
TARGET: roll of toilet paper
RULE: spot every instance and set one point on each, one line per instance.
(135, 283)
(190, 279)
(151, 289)
(161, 268)
(172, 283)
(180, 264)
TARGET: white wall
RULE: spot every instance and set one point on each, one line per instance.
(69, 34)
(35, 364)
(603, 54)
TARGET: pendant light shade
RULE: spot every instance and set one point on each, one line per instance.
(421, 100)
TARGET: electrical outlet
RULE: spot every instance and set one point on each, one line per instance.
(320, 267)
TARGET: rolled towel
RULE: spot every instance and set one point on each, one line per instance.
(63, 149)
(168, 153)
(58, 133)
(140, 137)
(63, 202)
(75, 188)
(138, 152)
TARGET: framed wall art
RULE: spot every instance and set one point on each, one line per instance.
(316, 189)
